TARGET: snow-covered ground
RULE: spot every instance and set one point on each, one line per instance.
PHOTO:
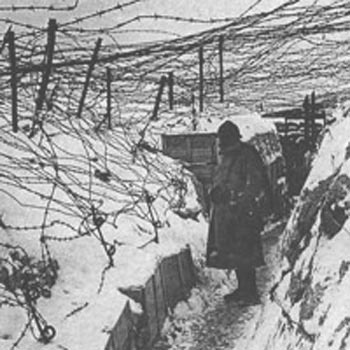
(87, 206)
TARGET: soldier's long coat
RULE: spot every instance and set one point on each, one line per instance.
(238, 192)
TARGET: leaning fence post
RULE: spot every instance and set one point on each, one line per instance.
(12, 53)
(221, 63)
(88, 76)
(201, 85)
(159, 97)
(171, 90)
(51, 38)
(109, 80)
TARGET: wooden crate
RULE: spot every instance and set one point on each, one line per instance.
(192, 148)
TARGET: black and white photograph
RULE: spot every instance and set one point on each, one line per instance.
(174, 174)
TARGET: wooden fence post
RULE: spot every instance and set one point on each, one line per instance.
(51, 38)
(159, 97)
(221, 63)
(306, 106)
(88, 76)
(313, 117)
(171, 90)
(201, 77)
(109, 80)
(12, 53)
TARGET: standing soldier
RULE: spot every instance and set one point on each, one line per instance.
(238, 196)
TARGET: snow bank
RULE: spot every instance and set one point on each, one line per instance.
(88, 206)
(309, 303)
(94, 204)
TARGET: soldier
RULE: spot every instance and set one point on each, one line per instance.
(238, 195)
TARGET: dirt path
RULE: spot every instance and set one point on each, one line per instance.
(206, 322)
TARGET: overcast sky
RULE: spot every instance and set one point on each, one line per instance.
(203, 9)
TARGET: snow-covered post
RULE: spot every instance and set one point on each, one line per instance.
(163, 80)
(221, 63)
(171, 90)
(12, 53)
(88, 76)
(201, 78)
(51, 38)
(108, 115)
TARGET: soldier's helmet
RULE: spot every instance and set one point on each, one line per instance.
(228, 134)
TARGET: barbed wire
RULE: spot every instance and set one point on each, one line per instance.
(51, 7)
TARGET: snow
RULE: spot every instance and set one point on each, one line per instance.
(53, 185)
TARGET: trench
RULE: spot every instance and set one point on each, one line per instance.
(205, 321)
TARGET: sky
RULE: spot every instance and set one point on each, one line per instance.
(204, 9)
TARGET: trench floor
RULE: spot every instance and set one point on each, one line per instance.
(205, 321)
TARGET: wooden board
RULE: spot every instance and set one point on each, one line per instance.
(122, 330)
(171, 281)
(151, 309)
(186, 271)
(160, 298)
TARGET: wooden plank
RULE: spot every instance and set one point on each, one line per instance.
(161, 305)
(186, 271)
(171, 280)
(110, 344)
(151, 310)
(122, 330)
(295, 113)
